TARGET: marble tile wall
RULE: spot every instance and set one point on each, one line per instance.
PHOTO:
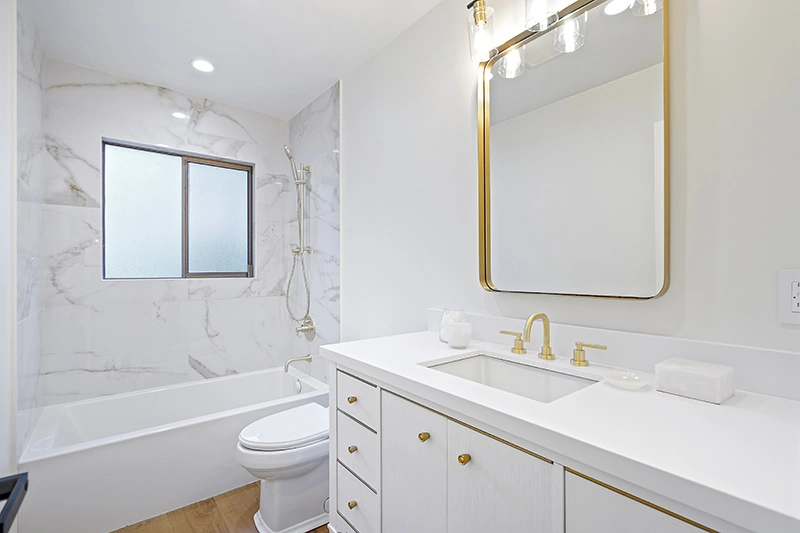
(30, 218)
(314, 140)
(107, 337)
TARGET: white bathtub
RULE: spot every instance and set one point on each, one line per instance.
(99, 465)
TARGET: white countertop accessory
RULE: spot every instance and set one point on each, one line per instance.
(459, 334)
(700, 381)
(623, 379)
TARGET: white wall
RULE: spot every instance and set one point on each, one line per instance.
(410, 181)
(8, 371)
(563, 223)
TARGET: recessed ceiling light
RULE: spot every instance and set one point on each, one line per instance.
(202, 65)
(178, 114)
(615, 7)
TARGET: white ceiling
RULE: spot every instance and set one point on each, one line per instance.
(271, 56)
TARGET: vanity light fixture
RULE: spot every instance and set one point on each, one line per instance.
(513, 64)
(540, 14)
(615, 7)
(178, 114)
(571, 35)
(642, 8)
(202, 65)
(480, 25)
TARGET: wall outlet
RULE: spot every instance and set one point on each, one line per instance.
(789, 297)
(795, 297)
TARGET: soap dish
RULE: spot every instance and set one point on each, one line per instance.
(626, 380)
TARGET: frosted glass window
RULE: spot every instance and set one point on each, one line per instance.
(171, 214)
(142, 214)
(217, 219)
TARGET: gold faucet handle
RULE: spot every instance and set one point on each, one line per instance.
(519, 345)
(579, 354)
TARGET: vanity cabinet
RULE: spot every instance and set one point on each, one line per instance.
(439, 475)
(593, 508)
(399, 467)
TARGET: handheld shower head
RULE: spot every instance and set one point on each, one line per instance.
(288, 152)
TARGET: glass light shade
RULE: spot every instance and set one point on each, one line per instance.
(480, 23)
(571, 35)
(513, 63)
(540, 14)
(615, 7)
(642, 8)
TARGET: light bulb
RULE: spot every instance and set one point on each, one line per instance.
(642, 8)
(482, 42)
(541, 14)
(512, 65)
(569, 37)
(615, 7)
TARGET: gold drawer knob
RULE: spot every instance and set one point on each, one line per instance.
(424, 436)
(464, 458)
(352, 399)
(352, 505)
(352, 449)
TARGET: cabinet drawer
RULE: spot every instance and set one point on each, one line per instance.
(592, 508)
(364, 515)
(358, 399)
(357, 448)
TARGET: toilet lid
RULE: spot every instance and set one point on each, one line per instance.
(293, 428)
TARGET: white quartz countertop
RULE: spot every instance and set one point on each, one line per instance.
(739, 461)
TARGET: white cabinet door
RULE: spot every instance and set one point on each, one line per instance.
(497, 488)
(592, 508)
(413, 467)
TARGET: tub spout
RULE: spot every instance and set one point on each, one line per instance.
(294, 360)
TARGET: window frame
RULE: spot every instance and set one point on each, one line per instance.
(186, 158)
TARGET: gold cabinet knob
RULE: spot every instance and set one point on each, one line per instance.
(424, 436)
(464, 458)
(352, 399)
(352, 449)
(352, 505)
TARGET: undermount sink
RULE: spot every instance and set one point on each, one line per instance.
(517, 378)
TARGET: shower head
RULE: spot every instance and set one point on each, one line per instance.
(288, 152)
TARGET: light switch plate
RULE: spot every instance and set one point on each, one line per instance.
(789, 297)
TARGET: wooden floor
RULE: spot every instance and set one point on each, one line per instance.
(231, 512)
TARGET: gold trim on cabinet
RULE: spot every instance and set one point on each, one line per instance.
(484, 221)
(642, 501)
(473, 428)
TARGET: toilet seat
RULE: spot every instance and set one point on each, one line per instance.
(291, 429)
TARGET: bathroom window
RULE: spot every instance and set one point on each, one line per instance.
(173, 214)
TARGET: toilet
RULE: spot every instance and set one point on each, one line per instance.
(288, 452)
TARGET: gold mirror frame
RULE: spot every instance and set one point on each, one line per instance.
(484, 215)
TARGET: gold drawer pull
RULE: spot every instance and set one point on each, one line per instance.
(352, 449)
(464, 458)
(352, 504)
(352, 399)
(424, 436)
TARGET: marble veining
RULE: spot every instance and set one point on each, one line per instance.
(107, 337)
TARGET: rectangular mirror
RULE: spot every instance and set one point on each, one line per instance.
(574, 155)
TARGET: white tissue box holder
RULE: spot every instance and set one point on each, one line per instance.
(692, 379)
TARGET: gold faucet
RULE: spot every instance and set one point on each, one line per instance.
(546, 352)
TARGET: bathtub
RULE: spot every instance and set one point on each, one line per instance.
(101, 464)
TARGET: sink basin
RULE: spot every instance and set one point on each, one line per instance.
(524, 380)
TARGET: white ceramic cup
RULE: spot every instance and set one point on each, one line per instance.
(459, 334)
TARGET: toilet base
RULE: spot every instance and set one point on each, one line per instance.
(308, 525)
(293, 500)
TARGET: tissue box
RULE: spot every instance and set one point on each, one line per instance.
(700, 381)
